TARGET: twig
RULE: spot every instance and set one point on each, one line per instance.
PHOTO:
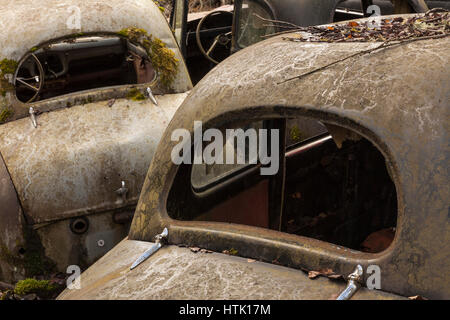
(436, 10)
(276, 21)
(382, 46)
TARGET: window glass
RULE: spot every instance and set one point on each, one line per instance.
(207, 175)
(301, 129)
(252, 26)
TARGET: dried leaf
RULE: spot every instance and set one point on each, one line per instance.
(417, 298)
(276, 262)
(325, 273)
(432, 24)
(111, 102)
(231, 252)
(296, 195)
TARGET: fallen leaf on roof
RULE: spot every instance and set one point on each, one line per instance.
(231, 252)
(433, 24)
(111, 102)
(324, 273)
(276, 262)
(417, 298)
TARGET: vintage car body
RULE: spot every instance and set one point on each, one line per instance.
(241, 33)
(179, 274)
(59, 196)
(397, 98)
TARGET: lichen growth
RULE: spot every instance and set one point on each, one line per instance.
(159, 6)
(5, 113)
(135, 95)
(8, 66)
(295, 134)
(162, 58)
(43, 288)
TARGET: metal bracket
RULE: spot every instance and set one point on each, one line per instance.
(353, 284)
(151, 96)
(159, 243)
(33, 117)
(122, 191)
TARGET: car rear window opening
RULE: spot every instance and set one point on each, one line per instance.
(336, 188)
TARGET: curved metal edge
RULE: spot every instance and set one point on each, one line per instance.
(11, 228)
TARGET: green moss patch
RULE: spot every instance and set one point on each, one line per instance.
(5, 113)
(8, 66)
(43, 288)
(296, 134)
(159, 6)
(162, 58)
(135, 95)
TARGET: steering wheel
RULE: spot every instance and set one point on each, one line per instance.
(34, 79)
(222, 39)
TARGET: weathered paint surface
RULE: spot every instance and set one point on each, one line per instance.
(397, 97)
(74, 161)
(178, 273)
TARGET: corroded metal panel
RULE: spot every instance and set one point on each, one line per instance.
(74, 161)
(11, 226)
(177, 273)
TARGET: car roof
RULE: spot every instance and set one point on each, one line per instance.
(27, 23)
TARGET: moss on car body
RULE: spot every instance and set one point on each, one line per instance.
(7, 67)
(162, 58)
(135, 95)
(43, 288)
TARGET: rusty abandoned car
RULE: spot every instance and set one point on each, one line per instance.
(83, 105)
(362, 126)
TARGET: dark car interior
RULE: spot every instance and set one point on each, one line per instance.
(81, 63)
(328, 187)
(208, 41)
